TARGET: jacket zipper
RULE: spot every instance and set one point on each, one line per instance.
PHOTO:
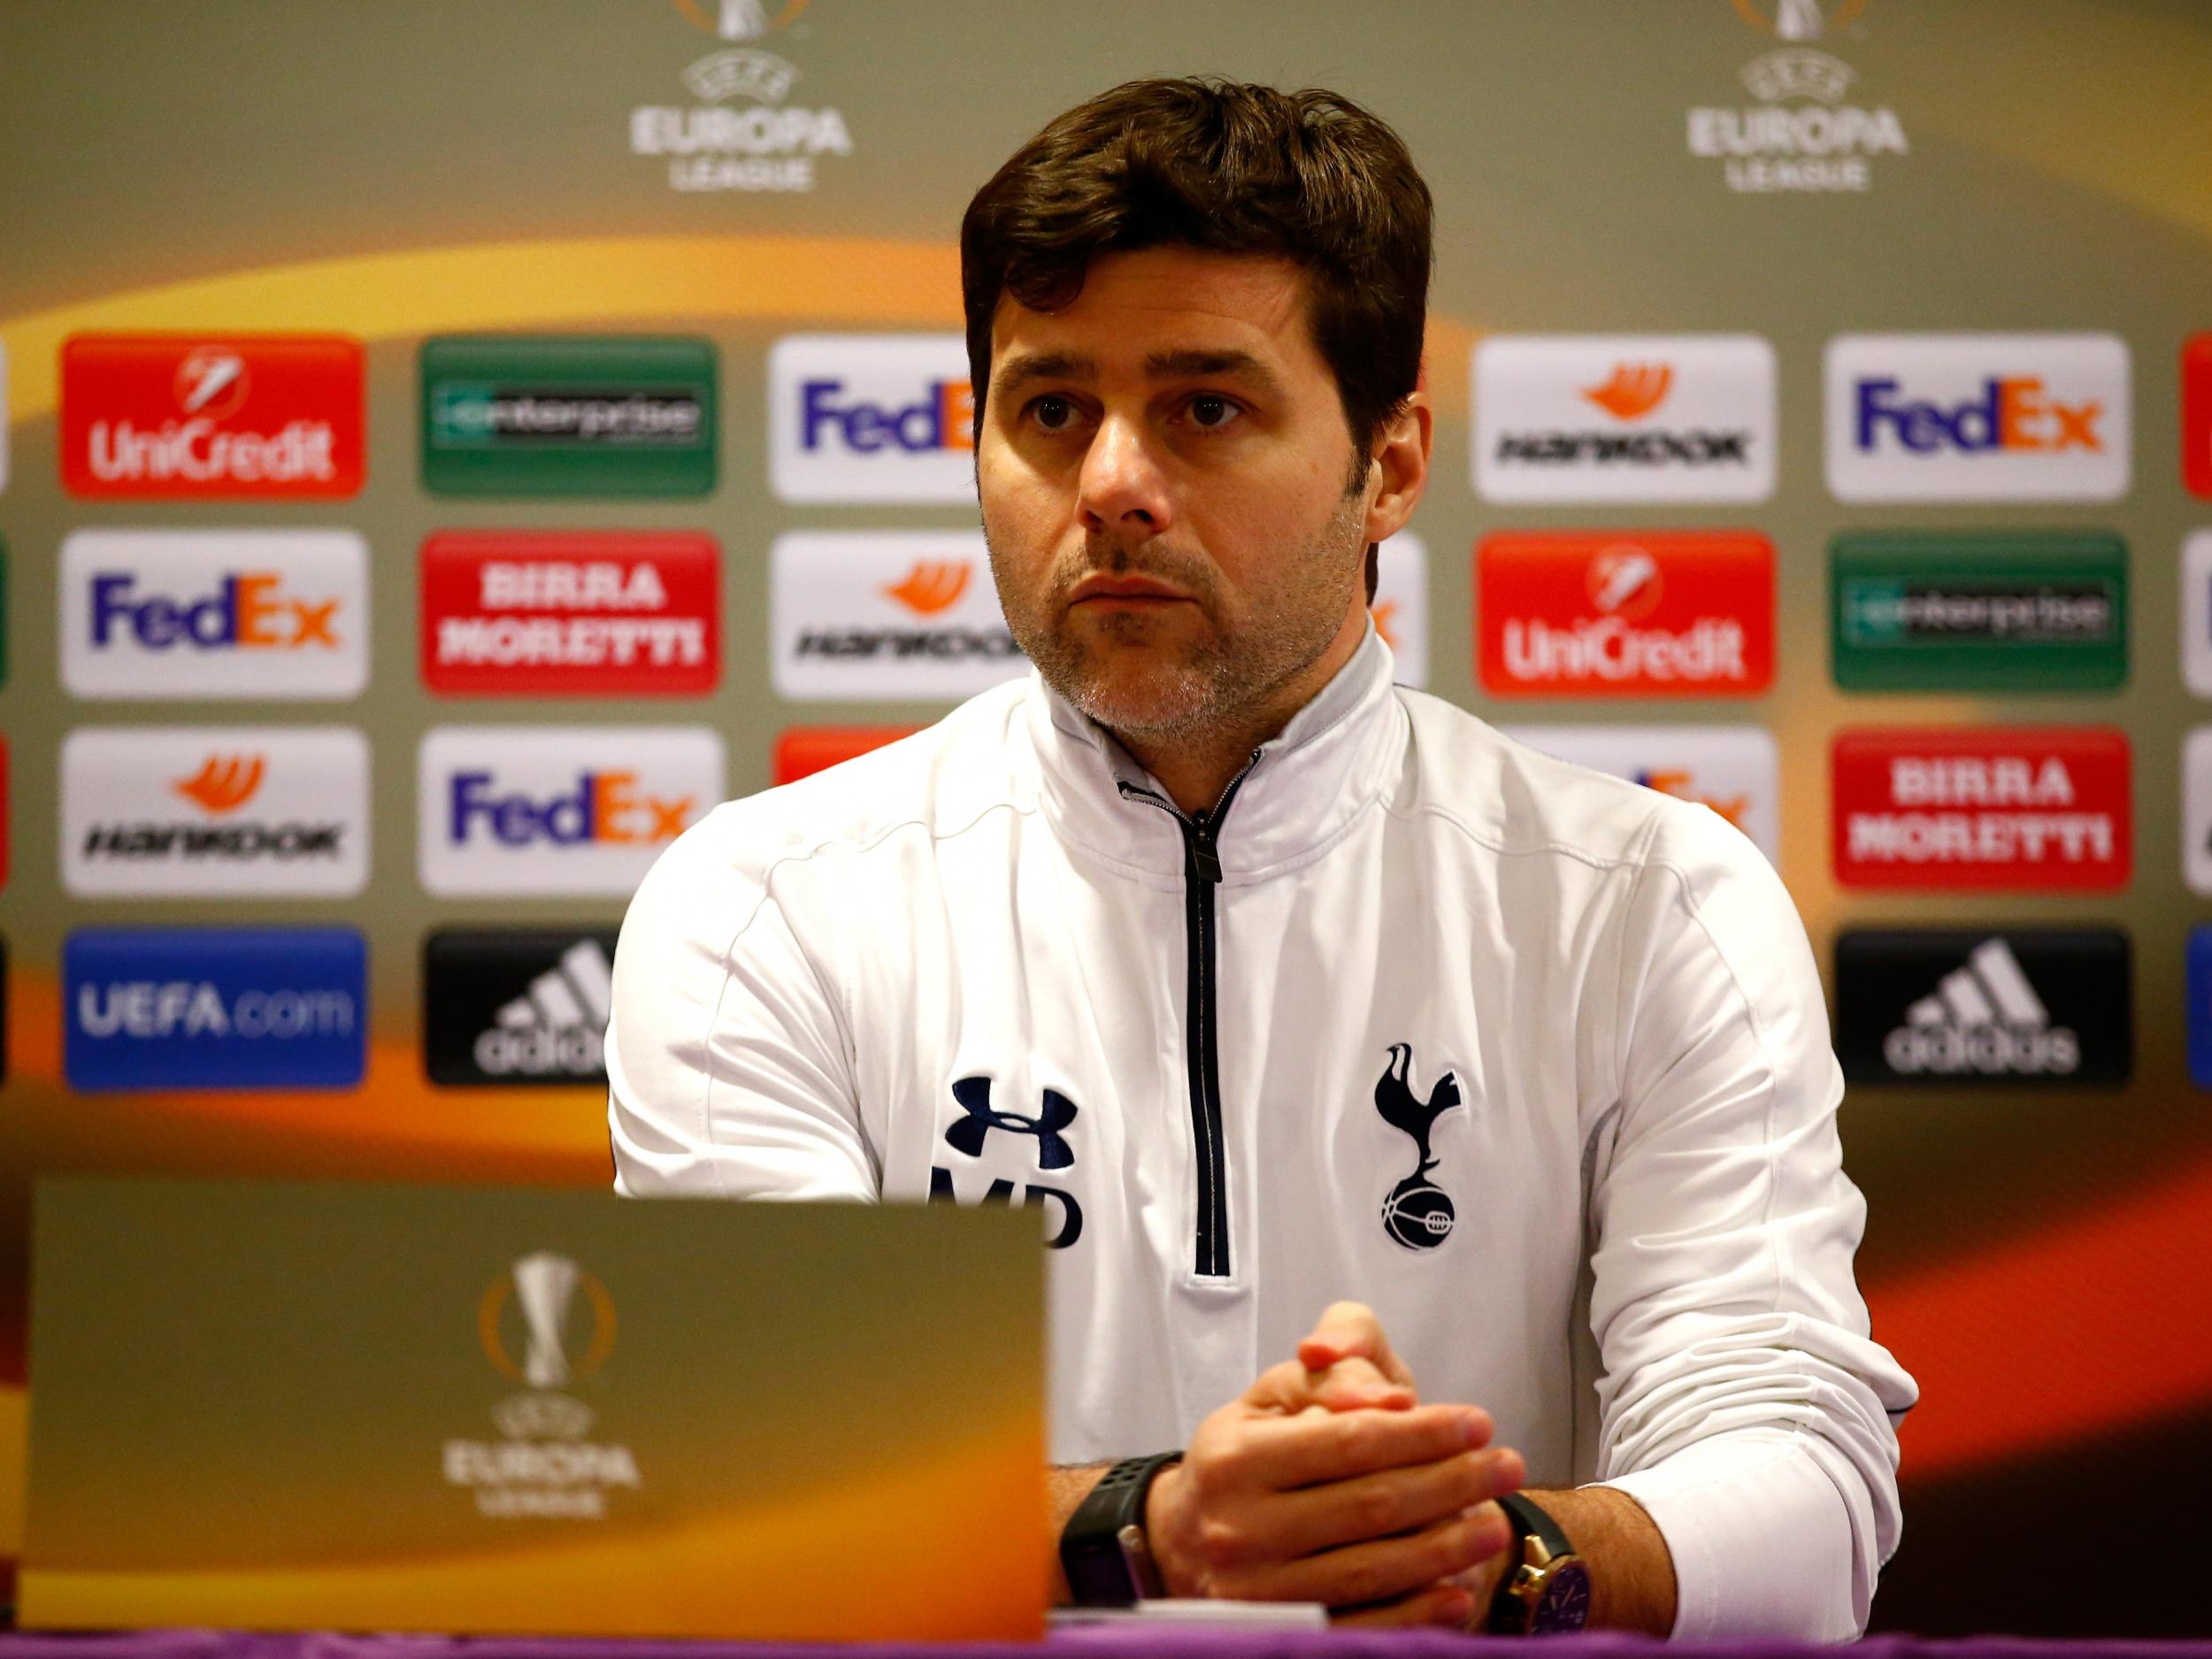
(1201, 873)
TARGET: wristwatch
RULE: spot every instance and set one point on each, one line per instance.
(1545, 1590)
(1102, 1548)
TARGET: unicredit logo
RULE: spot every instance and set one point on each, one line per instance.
(1589, 615)
(172, 417)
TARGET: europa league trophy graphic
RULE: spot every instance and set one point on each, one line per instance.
(1418, 1213)
(544, 1286)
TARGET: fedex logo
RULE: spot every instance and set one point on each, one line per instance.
(557, 809)
(214, 613)
(604, 806)
(870, 417)
(1977, 417)
(249, 612)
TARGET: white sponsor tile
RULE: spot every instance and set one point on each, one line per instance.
(523, 810)
(869, 417)
(1733, 768)
(2196, 811)
(2196, 613)
(1624, 418)
(1401, 606)
(6, 421)
(249, 614)
(886, 616)
(1978, 416)
(212, 812)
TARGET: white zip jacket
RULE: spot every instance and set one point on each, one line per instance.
(1532, 1061)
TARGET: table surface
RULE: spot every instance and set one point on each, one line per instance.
(1099, 1643)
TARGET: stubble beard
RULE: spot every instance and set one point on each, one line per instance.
(1149, 678)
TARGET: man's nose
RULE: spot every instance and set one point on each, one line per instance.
(1123, 486)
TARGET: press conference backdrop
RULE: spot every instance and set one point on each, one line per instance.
(449, 448)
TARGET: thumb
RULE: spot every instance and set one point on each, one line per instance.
(1350, 1330)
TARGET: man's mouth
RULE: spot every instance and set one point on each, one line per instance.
(1125, 589)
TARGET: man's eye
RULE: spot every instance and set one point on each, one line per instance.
(1210, 414)
(1053, 414)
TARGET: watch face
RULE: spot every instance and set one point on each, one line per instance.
(1565, 1603)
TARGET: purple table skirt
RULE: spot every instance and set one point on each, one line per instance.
(1096, 1643)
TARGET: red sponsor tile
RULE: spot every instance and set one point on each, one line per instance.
(191, 417)
(1625, 614)
(2016, 809)
(804, 751)
(2196, 415)
(570, 614)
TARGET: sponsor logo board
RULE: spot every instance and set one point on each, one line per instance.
(2199, 993)
(570, 613)
(2014, 808)
(741, 127)
(249, 614)
(1401, 608)
(7, 830)
(1624, 614)
(1624, 418)
(2196, 811)
(557, 809)
(1805, 130)
(6, 425)
(185, 1008)
(2002, 611)
(2196, 612)
(886, 616)
(568, 415)
(214, 812)
(2196, 415)
(870, 417)
(1730, 769)
(1995, 1007)
(517, 1007)
(196, 417)
(803, 751)
(1978, 417)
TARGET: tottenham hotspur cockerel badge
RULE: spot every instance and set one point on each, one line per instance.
(1418, 1213)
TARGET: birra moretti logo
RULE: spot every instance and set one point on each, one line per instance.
(1665, 614)
(548, 1325)
(178, 417)
(558, 809)
(2023, 809)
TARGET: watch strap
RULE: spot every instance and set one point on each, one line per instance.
(1102, 1548)
(1529, 1518)
(1511, 1614)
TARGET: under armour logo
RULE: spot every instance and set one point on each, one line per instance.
(967, 1135)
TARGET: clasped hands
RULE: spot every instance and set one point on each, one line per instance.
(1329, 1481)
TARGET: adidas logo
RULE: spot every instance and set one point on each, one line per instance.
(557, 1028)
(1984, 1018)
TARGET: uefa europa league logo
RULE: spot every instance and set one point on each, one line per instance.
(545, 1289)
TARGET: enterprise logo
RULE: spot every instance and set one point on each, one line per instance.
(1978, 417)
(1624, 418)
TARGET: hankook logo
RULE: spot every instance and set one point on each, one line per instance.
(893, 615)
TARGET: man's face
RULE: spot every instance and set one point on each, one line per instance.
(1162, 468)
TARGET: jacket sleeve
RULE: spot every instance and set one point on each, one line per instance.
(728, 1069)
(1742, 1402)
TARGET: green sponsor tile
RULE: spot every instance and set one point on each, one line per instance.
(568, 415)
(2039, 610)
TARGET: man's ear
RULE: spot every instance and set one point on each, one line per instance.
(1401, 471)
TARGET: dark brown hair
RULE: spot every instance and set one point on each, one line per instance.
(1212, 164)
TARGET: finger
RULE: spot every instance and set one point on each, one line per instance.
(1279, 1453)
(1349, 1328)
(1352, 1384)
(1382, 1568)
(1290, 1524)
(1447, 1604)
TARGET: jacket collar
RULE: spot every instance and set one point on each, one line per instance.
(1305, 790)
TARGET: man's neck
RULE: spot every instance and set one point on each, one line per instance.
(1197, 769)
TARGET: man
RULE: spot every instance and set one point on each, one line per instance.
(1275, 988)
